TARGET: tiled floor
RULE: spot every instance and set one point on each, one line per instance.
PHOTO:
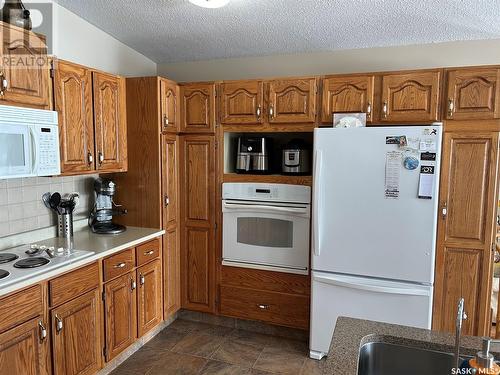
(187, 347)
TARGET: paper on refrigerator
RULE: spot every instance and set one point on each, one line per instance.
(393, 160)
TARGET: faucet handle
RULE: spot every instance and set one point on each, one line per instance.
(484, 358)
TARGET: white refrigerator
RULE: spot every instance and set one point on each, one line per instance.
(375, 202)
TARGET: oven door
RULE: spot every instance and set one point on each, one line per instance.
(18, 157)
(266, 235)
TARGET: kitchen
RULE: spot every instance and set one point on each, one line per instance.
(263, 208)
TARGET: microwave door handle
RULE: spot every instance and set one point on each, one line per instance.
(35, 148)
(295, 210)
(316, 227)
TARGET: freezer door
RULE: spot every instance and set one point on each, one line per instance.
(363, 298)
(356, 229)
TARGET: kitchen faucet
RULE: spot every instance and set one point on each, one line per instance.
(461, 315)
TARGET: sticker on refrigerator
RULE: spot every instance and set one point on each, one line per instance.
(426, 183)
(393, 160)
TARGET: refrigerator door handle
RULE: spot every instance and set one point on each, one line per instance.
(367, 286)
(316, 245)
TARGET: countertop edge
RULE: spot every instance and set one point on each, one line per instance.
(79, 263)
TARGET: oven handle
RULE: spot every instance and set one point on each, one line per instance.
(293, 210)
(316, 237)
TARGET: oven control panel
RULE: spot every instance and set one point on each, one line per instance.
(267, 192)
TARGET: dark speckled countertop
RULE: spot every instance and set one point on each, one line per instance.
(351, 334)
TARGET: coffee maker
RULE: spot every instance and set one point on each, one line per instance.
(101, 218)
(253, 155)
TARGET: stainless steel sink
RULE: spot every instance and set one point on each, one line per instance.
(388, 359)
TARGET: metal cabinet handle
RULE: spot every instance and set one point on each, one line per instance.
(43, 330)
(369, 109)
(133, 284)
(258, 112)
(59, 324)
(384, 109)
(142, 280)
(271, 111)
(165, 120)
(444, 210)
(101, 157)
(167, 200)
(263, 307)
(120, 265)
(3, 84)
(451, 107)
(90, 158)
(150, 252)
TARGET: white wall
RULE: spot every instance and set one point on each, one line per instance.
(79, 41)
(342, 61)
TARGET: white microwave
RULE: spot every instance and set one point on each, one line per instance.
(29, 143)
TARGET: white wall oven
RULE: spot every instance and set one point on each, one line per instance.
(266, 226)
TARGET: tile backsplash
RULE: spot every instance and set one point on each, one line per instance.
(21, 206)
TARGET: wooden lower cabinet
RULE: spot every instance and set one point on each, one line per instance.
(468, 195)
(76, 338)
(120, 314)
(21, 350)
(149, 302)
(171, 272)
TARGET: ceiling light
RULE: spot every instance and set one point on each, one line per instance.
(210, 3)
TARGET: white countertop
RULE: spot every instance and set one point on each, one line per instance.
(102, 245)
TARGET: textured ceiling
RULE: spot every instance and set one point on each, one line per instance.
(175, 30)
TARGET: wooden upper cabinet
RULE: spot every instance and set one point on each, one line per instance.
(73, 102)
(25, 68)
(465, 230)
(347, 94)
(110, 123)
(197, 108)
(149, 297)
(76, 336)
(292, 101)
(241, 102)
(473, 94)
(411, 96)
(120, 314)
(169, 94)
(21, 350)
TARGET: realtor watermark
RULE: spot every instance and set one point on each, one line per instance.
(25, 49)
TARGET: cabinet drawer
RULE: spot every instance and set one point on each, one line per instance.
(20, 307)
(118, 264)
(279, 308)
(73, 284)
(147, 252)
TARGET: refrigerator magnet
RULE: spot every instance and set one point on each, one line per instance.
(411, 163)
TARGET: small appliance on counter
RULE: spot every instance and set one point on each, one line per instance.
(101, 217)
(253, 155)
(296, 158)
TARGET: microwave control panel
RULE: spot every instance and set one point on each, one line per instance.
(48, 151)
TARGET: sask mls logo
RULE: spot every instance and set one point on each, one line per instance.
(26, 33)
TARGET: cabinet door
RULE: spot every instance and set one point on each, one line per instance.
(170, 180)
(25, 68)
(465, 231)
(241, 102)
(21, 350)
(110, 123)
(292, 101)
(198, 222)
(73, 102)
(171, 272)
(169, 92)
(76, 337)
(149, 297)
(473, 94)
(121, 314)
(347, 94)
(198, 108)
(411, 97)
